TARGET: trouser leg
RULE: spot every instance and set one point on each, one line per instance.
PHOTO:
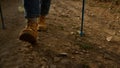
(45, 6)
(35, 8)
(32, 8)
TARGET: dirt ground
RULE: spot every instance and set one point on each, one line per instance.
(61, 46)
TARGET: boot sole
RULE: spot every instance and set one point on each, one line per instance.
(28, 38)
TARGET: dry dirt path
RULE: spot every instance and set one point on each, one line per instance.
(61, 46)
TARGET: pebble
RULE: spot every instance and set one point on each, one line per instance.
(109, 38)
(63, 54)
(119, 31)
(72, 33)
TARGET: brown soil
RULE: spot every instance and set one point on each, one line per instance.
(61, 46)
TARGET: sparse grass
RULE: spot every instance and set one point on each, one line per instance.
(86, 46)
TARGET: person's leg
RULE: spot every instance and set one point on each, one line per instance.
(32, 8)
(32, 11)
(45, 6)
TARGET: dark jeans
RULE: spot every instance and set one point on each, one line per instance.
(36, 8)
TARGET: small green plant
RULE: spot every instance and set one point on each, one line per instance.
(86, 46)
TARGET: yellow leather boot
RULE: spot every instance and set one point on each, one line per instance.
(41, 24)
(30, 33)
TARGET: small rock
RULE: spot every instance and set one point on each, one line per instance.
(84, 51)
(117, 17)
(100, 47)
(30, 57)
(109, 38)
(63, 54)
(73, 57)
(119, 31)
(110, 8)
(81, 53)
(76, 52)
(92, 15)
(78, 31)
(72, 33)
